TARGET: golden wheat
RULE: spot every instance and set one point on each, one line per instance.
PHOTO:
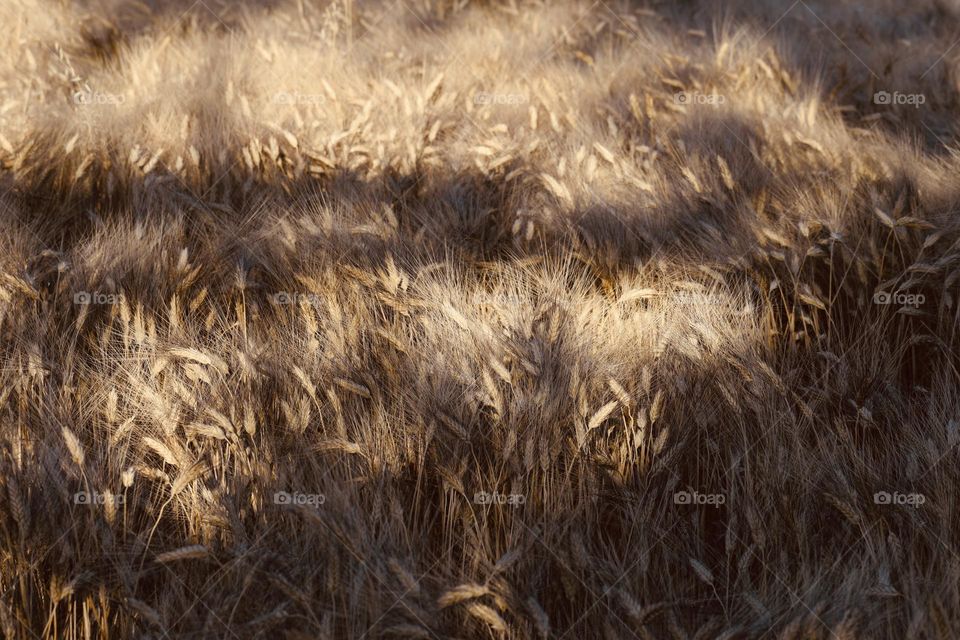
(478, 319)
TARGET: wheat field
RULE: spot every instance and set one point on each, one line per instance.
(505, 319)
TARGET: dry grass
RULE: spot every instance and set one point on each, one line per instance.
(494, 319)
